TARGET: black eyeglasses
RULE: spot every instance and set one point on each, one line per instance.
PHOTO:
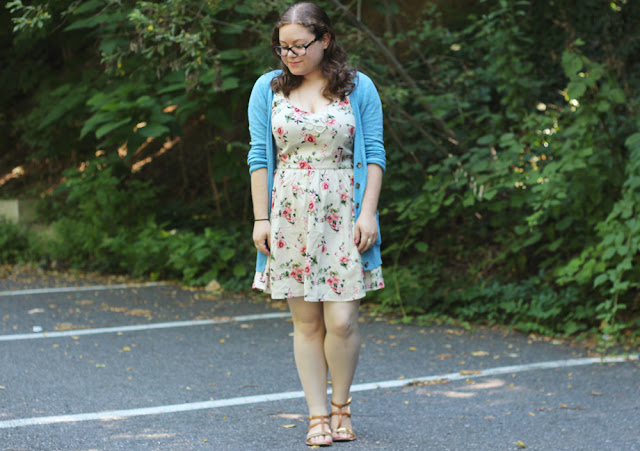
(297, 50)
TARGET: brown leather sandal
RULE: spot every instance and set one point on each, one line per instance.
(339, 429)
(323, 419)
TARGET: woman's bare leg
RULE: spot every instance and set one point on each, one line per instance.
(308, 342)
(341, 349)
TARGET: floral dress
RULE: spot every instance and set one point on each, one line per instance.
(313, 254)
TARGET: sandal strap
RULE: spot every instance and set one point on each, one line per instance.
(323, 419)
(342, 406)
(319, 434)
(340, 412)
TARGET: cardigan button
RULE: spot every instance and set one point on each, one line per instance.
(359, 165)
(357, 185)
(357, 205)
(366, 265)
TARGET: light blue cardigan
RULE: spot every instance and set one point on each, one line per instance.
(368, 146)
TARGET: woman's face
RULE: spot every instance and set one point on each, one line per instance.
(308, 64)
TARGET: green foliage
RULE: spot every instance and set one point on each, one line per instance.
(105, 221)
(96, 211)
(16, 244)
(512, 136)
(512, 197)
(27, 16)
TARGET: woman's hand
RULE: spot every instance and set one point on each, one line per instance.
(262, 236)
(366, 231)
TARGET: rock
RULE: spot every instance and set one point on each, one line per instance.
(214, 287)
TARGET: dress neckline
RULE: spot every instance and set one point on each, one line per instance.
(323, 110)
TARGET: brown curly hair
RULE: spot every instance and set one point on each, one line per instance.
(334, 64)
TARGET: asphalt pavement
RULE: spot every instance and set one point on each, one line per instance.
(94, 363)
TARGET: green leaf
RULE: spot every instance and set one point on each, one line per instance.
(633, 141)
(421, 247)
(106, 128)
(89, 6)
(153, 130)
(617, 96)
(109, 45)
(602, 278)
(576, 88)
(239, 270)
(232, 54)
(227, 253)
(90, 22)
(486, 140)
(571, 63)
(94, 121)
(230, 83)
(172, 88)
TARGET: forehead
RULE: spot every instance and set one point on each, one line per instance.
(291, 33)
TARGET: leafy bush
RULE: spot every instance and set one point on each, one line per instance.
(16, 244)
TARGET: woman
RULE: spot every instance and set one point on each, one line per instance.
(316, 164)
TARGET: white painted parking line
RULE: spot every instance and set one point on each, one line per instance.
(142, 327)
(78, 289)
(187, 407)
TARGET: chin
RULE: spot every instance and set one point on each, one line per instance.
(296, 70)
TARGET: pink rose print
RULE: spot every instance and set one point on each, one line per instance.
(281, 244)
(345, 261)
(311, 139)
(297, 274)
(381, 284)
(287, 213)
(312, 206)
(334, 283)
(352, 131)
(333, 219)
(280, 131)
(304, 165)
(325, 185)
(344, 103)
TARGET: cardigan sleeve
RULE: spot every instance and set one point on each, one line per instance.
(258, 118)
(371, 112)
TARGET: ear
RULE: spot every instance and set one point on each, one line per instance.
(326, 40)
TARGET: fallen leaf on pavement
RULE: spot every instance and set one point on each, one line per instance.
(454, 332)
(479, 353)
(470, 372)
(419, 383)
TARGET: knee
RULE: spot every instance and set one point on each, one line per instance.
(309, 328)
(343, 327)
